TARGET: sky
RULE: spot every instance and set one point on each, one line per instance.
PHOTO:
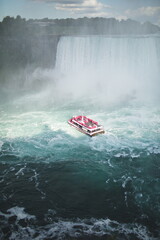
(139, 10)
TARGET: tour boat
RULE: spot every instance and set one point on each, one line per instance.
(86, 125)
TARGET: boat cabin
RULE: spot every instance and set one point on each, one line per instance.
(86, 125)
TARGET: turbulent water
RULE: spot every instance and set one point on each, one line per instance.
(57, 183)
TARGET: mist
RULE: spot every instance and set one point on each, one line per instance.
(102, 70)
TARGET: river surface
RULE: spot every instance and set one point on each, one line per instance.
(55, 182)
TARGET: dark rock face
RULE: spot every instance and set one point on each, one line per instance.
(19, 52)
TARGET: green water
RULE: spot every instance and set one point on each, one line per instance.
(57, 182)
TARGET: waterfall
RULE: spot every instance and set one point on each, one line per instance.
(113, 65)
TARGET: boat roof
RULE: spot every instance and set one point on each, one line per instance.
(85, 121)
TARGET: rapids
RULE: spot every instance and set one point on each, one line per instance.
(57, 183)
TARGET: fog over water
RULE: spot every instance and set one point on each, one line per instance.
(110, 69)
(57, 183)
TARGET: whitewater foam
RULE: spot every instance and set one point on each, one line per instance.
(78, 228)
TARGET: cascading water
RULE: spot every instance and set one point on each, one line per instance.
(111, 66)
(57, 183)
